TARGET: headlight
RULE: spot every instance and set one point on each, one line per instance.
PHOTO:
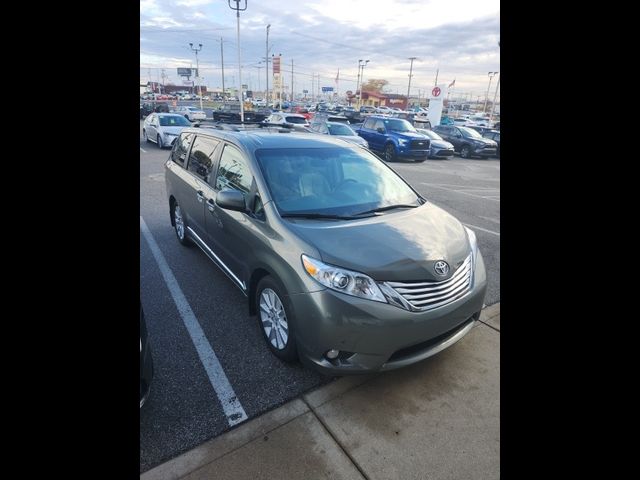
(344, 281)
(403, 142)
(473, 241)
(167, 134)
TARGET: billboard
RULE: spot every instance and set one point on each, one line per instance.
(187, 72)
(327, 89)
(276, 65)
(435, 104)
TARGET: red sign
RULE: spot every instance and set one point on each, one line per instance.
(436, 91)
(276, 65)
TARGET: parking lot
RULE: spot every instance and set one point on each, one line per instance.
(192, 309)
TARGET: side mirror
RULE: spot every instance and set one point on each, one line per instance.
(231, 200)
(380, 130)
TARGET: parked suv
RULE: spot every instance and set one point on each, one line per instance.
(346, 266)
(395, 138)
(467, 141)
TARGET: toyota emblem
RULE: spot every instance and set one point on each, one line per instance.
(441, 268)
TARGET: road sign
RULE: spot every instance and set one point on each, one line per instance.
(184, 72)
(436, 92)
(276, 65)
(327, 89)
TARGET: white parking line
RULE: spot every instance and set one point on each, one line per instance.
(483, 229)
(459, 191)
(143, 150)
(219, 381)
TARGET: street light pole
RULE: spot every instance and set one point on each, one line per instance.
(358, 85)
(362, 82)
(198, 70)
(222, 61)
(486, 98)
(410, 75)
(238, 10)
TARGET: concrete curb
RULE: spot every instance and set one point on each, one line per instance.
(260, 426)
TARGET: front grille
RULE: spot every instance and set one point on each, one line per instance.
(420, 144)
(432, 294)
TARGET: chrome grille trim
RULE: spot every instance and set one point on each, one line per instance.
(420, 296)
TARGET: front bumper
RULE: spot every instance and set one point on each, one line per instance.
(442, 152)
(407, 152)
(485, 152)
(379, 336)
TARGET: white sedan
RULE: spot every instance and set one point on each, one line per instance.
(191, 113)
(163, 128)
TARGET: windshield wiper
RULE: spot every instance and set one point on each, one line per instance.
(388, 207)
(318, 215)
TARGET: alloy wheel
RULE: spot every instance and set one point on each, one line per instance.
(274, 319)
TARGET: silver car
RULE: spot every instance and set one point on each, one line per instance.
(339, 130)
(163, 128)
(191, 113)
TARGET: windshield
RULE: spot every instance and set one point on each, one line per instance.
(296, 120)
(469, 132)
(332, 180)
(398, 125)
(431, 134)
(340, 130)
(174, 121)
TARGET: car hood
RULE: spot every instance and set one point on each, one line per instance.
(352, 139)
(398, 245)
(173, 130)
(441, 144)
(486, 141)
(411, 135)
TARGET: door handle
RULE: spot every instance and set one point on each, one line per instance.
(200, 195)
(211, 205)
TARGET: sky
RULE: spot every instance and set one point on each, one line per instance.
(457, 37)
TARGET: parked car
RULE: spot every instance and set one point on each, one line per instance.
(287, 119)
(339, 130)
(345, 265)
(330, 117)
(467, 141)
(496, 125)
(446, 120)
(191, 113)
(163, 128)
(145, 109)
(439, 147)
(395, 138)
(230, 112)
(481, 130)
(367, 109)
(302, 111)
(478, 120)
(495, 136)
(146, 362)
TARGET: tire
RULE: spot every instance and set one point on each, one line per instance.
(272, 302)
(390, 153)
(180, 225)
(465, 152)
(159, 141)
(145, 136)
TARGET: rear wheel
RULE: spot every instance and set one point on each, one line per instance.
(276, 319)
(390, 153)
(180, 223)
(145, 136)
(465, 152)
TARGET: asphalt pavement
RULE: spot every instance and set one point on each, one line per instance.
(184, 408)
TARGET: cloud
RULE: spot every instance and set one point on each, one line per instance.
(459, 38)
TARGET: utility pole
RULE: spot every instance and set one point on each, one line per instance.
(292, 79)
(266, 58)
(198, 70)
(495, 95)
(437, 71)
(410, 75)
(281, 81)
(486, 98)
(357, 85)
(362, 82)
(313, 91)
(238, 10)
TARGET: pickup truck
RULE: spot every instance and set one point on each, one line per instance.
(230, 112)
(396, 138)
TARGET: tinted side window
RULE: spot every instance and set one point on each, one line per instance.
(368, 123)
(233, 171)
(379, 124)
(201, 156)
(181, 147)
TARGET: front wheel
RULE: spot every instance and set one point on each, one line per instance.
(390, 153)
(465, 152)
(276, 319)
(159, 141)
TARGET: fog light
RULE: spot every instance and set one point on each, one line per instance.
(332, 354)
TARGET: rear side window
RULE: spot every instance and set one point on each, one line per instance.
(368, 123)
(181, 147)
(201, 156)
(233, 171)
